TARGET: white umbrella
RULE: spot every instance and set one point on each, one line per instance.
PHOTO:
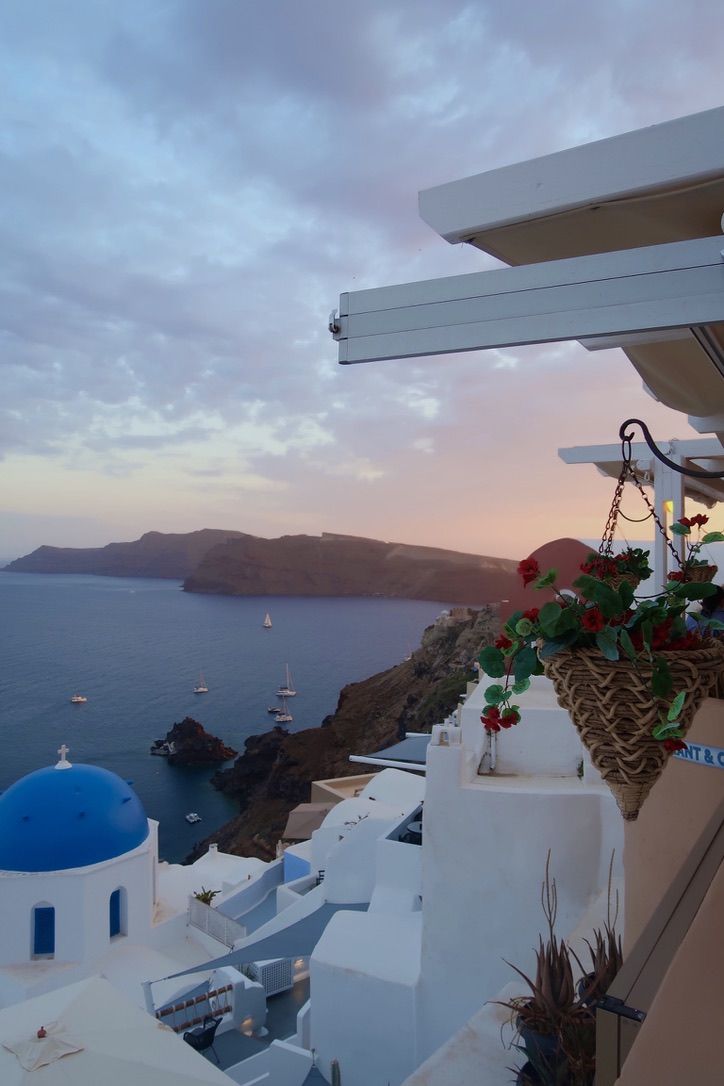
(121, 1044)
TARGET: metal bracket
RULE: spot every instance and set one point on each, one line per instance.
(626, 439)
(617, 1006)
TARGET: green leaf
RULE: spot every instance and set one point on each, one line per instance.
(547, 579)
(548, 616)
(661, 681)
(556, 644)
(524, 627)
(627, 644)
(680, 529)
(524, 664)
(569, 619)
(606, 641)
(665, 730)
(695, 591)
(626, 593)
(676, 706)
(713, 537)
(495, 694)
(521, 686)
(492, 662)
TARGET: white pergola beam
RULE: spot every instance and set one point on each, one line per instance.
(631, 291)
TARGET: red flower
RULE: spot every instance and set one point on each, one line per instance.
(677, 575)
(672, 745)
(491, 718)
(509, 717)
(592, 620)
(529, 570)
(531, 615)
(503, 642)
(694, 522)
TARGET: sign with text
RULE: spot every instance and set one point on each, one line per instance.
(699, 754)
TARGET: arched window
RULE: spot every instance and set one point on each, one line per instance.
(43, 928)
(117, 923)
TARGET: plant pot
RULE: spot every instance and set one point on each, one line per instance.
(528, 1076)
(542, 1049)
(617, 579)
(613, 710)
(700, 574)
(584, 985)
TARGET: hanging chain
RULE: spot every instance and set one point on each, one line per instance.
(606, 546)
(653, 513)
(627, 472)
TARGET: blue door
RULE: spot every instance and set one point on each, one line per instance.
(115, 913)
(44, 930)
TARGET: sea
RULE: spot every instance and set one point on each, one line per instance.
(135, 647)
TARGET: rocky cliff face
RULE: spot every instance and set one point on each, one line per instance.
(188, 743)
(275, 771)
(155, 554)
(333, 565)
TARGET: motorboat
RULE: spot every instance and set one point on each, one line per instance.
(193, 817)
(78, 699)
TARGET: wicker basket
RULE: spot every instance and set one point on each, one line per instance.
(617, 579)
(611, 705)
(700, 574)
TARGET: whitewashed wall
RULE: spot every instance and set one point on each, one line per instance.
(484, 852)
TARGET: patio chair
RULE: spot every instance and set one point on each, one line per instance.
(202, 1037)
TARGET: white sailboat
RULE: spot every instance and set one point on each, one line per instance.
(201, 687)
(286, 690)
(283, 716)
(267, 623)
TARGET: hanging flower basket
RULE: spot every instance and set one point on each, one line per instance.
(630, 672)
(695, 574)
(611, 706)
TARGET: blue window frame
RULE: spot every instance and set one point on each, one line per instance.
(114, 910)
(43, 931)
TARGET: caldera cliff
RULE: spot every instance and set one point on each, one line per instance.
(337, 565)
(275, 771)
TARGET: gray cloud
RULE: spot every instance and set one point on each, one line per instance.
(186, 188)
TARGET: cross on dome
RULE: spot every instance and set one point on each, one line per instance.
(63, 763)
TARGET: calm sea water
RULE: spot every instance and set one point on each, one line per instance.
(135, 648)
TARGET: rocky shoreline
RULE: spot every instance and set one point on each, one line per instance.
(276, 769)
(188, 743)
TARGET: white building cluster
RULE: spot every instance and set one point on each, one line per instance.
(398, 912)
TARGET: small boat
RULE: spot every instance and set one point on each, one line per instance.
(78, 699)
(273, 709)
(282, 715)
(201, 687)
(193, 817)
(286, 690)
(267, 623)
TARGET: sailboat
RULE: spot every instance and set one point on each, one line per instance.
(286, 690)
(283, 716)
(201, 687)
(267, 621)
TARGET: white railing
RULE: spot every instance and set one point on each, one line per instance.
(213, 923)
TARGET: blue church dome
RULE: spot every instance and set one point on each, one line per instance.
(68, 816)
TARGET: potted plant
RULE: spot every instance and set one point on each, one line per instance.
(630, 565)
(556, 1029)
(629, 672)
(694, 568)
(206, 896)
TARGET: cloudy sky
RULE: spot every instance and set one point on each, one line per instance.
(186, 186)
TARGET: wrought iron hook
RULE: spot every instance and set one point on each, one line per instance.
(626, 439)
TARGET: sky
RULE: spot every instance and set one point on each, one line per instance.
(186, 187)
